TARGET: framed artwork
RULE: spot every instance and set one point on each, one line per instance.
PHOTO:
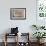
(17, 13)
(41, 8)
(41, 12)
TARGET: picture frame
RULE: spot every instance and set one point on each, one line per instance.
(41, 12)
(41, 8)
(17, 13)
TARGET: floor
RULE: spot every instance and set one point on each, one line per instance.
(13, 44)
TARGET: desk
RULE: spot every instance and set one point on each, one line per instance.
(17, 43)
(8, 34)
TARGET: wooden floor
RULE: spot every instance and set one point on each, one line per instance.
(13, 44)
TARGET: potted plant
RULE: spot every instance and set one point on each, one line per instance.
(38, 27)
(42, 27)
(35, 26)
(39, 35)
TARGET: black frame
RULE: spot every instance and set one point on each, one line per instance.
(17, 18)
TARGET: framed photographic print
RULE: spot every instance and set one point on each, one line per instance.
(41, 8)
(41, 12)
(17, 13)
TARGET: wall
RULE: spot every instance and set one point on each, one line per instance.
(24, 25)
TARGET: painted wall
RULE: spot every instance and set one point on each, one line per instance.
(24, 25)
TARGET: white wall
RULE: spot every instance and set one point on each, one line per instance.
(24, 25)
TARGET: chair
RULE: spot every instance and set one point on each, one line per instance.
(8, 36)
(14, 32)
(26, 41)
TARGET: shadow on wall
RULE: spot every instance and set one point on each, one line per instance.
(7, 31)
